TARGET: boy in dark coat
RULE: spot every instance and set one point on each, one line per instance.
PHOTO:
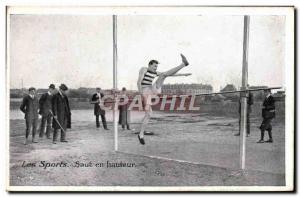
(29, 107)
(46, 111)
(124, 114)
(268, 113)
(61, 113)
(96, 98)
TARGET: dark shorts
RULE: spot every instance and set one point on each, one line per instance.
(266, 124)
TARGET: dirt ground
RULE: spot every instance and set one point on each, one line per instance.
(200, 150)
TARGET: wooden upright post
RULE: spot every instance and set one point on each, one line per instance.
(244, 94)
(115, 85)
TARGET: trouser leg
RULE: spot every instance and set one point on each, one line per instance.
(63, 131)
(42, 127)
(28, 127)
(240, 124)
(104, 121)
(264, 126)
(34, 127)
(49, 121)
(97, 121)
(269, 128)
(262, 134)
(55, 133)
(270, 134)
(128, 127)
(248, 123)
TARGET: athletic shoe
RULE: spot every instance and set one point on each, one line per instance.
(142, 141)
(260, 141)
(269, 141)
(237, 134)
(184, 60)
(148, 133)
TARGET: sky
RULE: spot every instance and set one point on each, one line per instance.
(77, 49)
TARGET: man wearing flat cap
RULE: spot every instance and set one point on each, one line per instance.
(46, 111)
(96, 99)
(61, 113)
(29, 107)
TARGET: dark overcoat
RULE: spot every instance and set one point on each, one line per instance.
(45, 104)
(124, 114)
(268, 111)
(61, 109)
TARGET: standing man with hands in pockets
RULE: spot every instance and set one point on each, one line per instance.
(46, 111)
(29, 107)
(96, 99)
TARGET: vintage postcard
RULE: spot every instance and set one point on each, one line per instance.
(170, 98)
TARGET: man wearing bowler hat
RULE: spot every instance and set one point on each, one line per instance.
(46, 111)
(29, 107)
(61, 113)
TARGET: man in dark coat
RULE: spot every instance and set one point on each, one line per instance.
(46, 111)
(29, 107)
(124, 114)
(61, 113)
(268, 113)
(96, 98)
(249, 110)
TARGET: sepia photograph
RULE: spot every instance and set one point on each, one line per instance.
(150, 98)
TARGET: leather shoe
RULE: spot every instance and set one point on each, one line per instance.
(269, 141)
(142, 141)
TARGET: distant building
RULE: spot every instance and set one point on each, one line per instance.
(230, 96)
(257, 87)
(258, 95)
(186, 89)
(217, 98)
(279, 95)
(17, 93)
(228, 87)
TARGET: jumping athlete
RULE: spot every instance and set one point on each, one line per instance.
(148, 88)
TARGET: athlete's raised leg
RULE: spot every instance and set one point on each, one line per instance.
(162, 76)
